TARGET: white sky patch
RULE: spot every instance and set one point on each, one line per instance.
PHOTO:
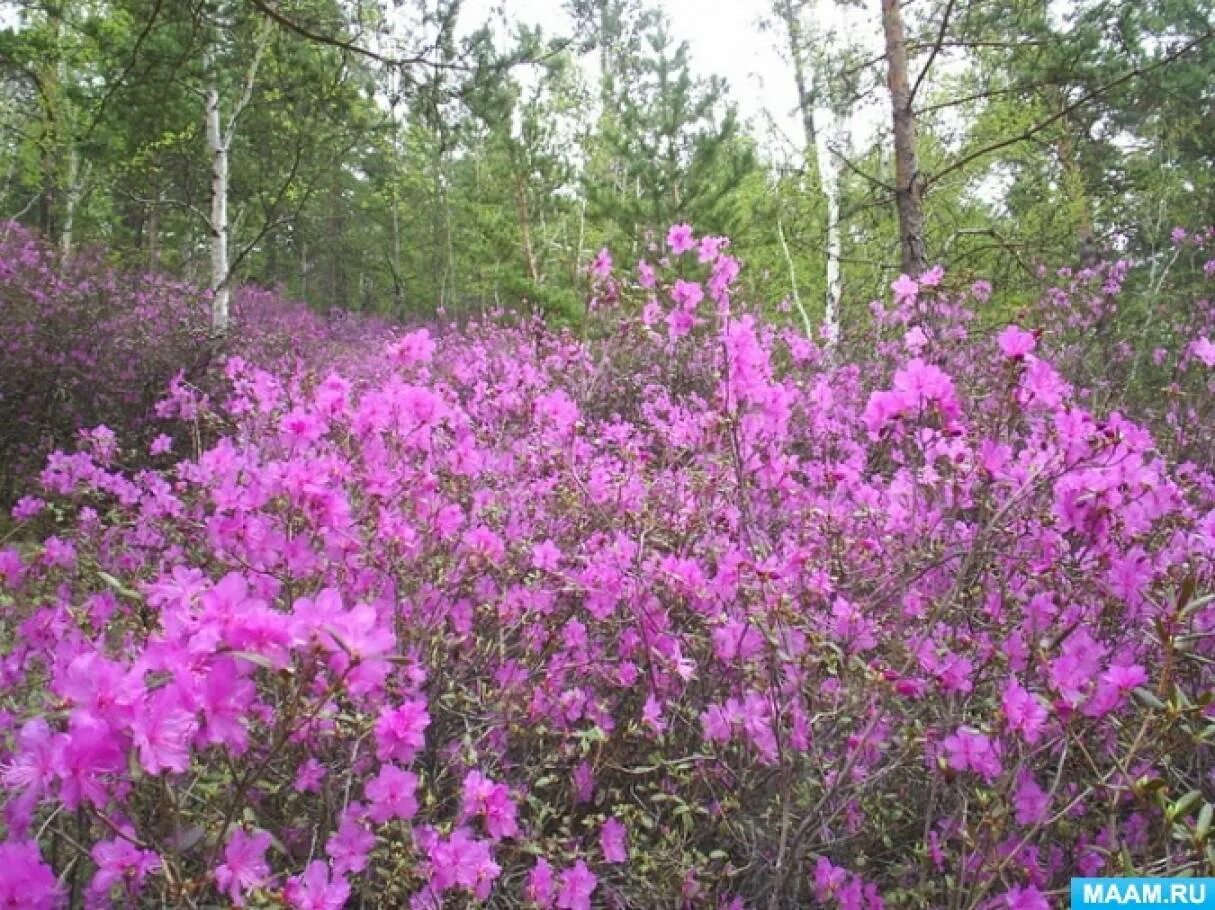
(725, 39)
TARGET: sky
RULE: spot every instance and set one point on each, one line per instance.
(724, 38)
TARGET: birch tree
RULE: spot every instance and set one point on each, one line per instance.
(219, 136)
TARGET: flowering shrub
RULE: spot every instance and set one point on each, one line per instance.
(86, 344)
(689, 615)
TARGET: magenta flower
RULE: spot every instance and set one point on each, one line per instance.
(313, 890)
(613, 841)
(1023, 712)
(969, 750)
(540, 888)
(680, 239)
(31, 768)
(400, 733)
(482, 797)
(309, 776)
(577, 885)
(162, 732)
(1031, 802)
(119, 861)
(905, 289)
(244, 867)
(392, 795)
(84, 759)
(1027, 898)
(413, 348)
(351, 844)
(26, 882)
(1015, 343)
(546, 556)
(463, 861)
(1203, 349)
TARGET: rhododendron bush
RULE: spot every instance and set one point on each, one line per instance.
(694, 613)
(86, 343)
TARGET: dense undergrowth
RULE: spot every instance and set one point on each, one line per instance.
(693, 613)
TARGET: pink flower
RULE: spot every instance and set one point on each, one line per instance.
(1015, 342)
(225, 699)
(612, 841)
(244, 866)
(392, 795)
(969, 750)
(84, 758)
(1204, 349)
(162, 732)
(26, 882)
(680, 239)
(314, 891)
(1023, 712)
(1031, 802)
(546, 556)
(483, 797)
(351, 844)
(602, 266)
(540, 885)
(687, 294)
(1112, 689)
(400, 732)
(645, 275)
(577, 886)
(932, 277)
(31, 768)
(463, 861)
(413, 348)
(1042, 386)
(584, 782)
(915, 340)
(27, 507)
(309, 776)
(119, 861)
(711, 247)
(905, 289)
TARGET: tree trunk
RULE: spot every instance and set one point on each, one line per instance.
(77, 175)
(835, 250)
(525, 228)
(218, 150)
(909, 185)
(818, 164)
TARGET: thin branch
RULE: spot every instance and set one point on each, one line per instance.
(349, 44)
(857, 170)
(173, 203)
(936, 49)
(246, 96)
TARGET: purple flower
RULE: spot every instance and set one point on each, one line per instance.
(969, 750)
(315, 891)
(400, 733)
(612, 841)
(244, 867)
(1015, 342)
(26, 882)
(392, 795)
(578, 883)
(680, 239)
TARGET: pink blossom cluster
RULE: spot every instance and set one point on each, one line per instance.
(686, 614)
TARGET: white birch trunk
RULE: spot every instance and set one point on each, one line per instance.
(76, 177)
(217, 148)
(829, 174)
